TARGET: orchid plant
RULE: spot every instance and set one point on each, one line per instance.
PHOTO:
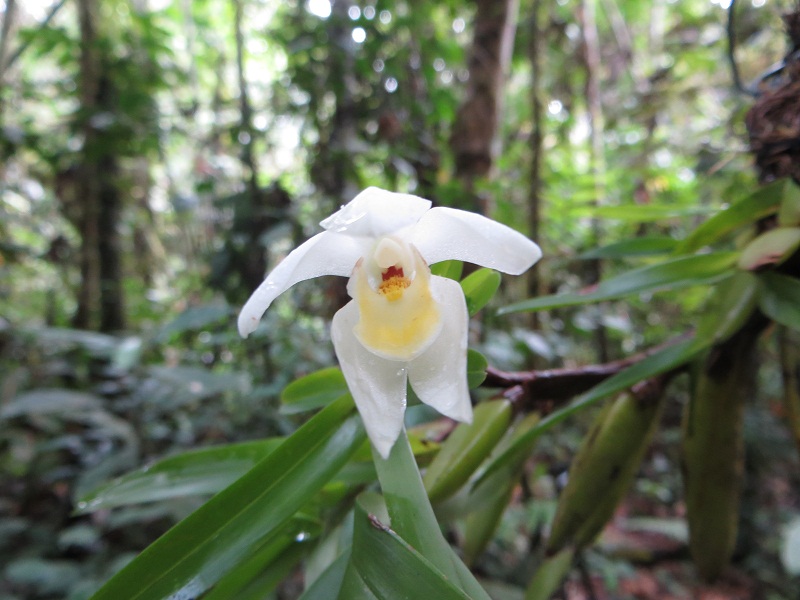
(404, 324)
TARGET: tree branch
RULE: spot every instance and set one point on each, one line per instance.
(545, 389)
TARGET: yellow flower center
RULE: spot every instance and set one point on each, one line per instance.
(393, 284)
(399, 317)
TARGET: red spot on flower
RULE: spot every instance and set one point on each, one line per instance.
(392, 272)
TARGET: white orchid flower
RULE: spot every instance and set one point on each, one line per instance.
(403, 324)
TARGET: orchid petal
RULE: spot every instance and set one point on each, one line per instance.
(376, 212)
(439, 375)
(324, 254)
(452, 234)
(378, 385)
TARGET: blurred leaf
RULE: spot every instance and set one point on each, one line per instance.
(640, 246)
(193, 473)
(780, 299)
(313, 391)
(731, 304)
(50, 401)
(466, 448)
(476, 368)
(642, 213)
(448, 268)
(488, 501)
(789, 213)
(479, 287)
(771, 248)
(202, 548)
(761, 203)
(47, 577)
(192, 319)
(671, 274)
(181, 385)
(391, 568)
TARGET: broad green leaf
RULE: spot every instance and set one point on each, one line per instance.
(466, 448)
(780, 299)
(671, 274)
(201, 549)
(769, 249)
(197, 472)
(662, 361)
(642, 213)
(479, 287)
(761, 203)
(392, 568)
(640, 246)
(448, 268)
(313, 391)
(476, 368)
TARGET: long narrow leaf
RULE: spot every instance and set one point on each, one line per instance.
(761, 203)
(193, 473)
(672, 274)
(202, 548)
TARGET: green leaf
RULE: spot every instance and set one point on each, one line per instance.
(328, 584)
(201, 549)
(730, 306)
(193, 473)
(391, 568)
(476, 368)
(50, 402)
(659, 362)
(260, 573)
(413, 518)
(448, 268)
(192, 319)
(466, 448)
(671, 274)
(479, 287)
(769, 249)
(761, 203)
(489, 501)
(313, 391)
(780, 299)
(789, 212)
(642, 213)
(640, 246)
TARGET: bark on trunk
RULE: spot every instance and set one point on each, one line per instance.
(100, 297)
(473, 138)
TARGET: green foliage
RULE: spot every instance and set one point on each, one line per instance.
(261, 488)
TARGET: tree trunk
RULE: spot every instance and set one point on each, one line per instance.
(88, 184)
(591, 59)
(473, 140)
(536, 50)
(100, 297)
